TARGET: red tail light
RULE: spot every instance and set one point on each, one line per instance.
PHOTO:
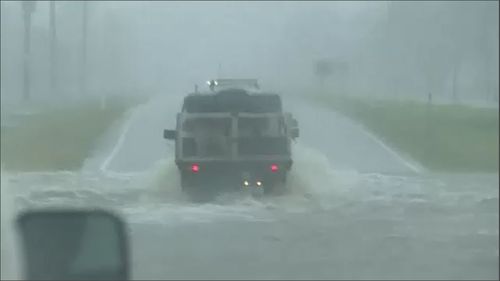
(195, 168)
(274, 168)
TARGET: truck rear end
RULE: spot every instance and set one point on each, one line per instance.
(230, 151)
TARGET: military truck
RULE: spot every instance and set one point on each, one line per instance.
(233, 138)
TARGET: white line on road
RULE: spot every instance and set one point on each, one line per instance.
(412, 166)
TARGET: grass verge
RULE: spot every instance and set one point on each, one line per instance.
(59, 138)
(447, 138)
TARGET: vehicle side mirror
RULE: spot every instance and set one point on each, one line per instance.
(73, 245)
(294, 127)
(169, 134)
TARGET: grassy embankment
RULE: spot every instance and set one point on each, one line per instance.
(446, 138)
(59, 138)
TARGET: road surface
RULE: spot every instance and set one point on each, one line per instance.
(345, 144)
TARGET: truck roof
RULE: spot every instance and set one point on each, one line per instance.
(240, 83)
(232, 100)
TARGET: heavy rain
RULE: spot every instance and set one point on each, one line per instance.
(378, 122)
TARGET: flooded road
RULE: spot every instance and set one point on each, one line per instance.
(355, 209)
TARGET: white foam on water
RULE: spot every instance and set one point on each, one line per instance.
(312, 184)
(164, 202)
(155, 196)
(164, 180)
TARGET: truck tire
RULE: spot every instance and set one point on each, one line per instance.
(194, 191)
(277, 188)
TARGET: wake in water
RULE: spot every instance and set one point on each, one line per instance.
(310, 182)
(155, 196)
(163, 182)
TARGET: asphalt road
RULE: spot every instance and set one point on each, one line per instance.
(347, 145)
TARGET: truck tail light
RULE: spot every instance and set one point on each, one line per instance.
(274, 168)
(195, 168)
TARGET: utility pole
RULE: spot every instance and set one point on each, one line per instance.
(429, 138)
(455, 88)
(53, 44)
(28, 9)
(83, 66)
(323, 68)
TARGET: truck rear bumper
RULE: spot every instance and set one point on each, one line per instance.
(232, 175)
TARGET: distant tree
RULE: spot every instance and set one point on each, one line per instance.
(323, 69)
(443, 35)
(83, 66)
(53, 46)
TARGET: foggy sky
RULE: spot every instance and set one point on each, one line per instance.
(391, 48)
